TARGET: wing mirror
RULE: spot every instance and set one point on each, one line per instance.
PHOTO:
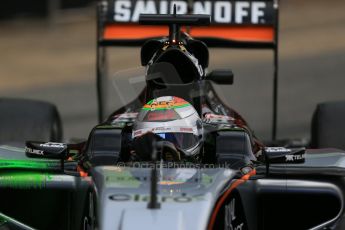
(221, 76)
(49, 150)
(281, 155)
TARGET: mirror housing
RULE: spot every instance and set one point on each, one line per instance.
(221, 76)
(50, 150)
(282, 155)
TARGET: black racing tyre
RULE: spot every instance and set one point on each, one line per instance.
(328, 125)
(22, 120)
(89, 217)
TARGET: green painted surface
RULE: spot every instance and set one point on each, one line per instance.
(206, 180)
(13, 176)
(172, 107)
(3, 220)
(24, 180)
(28, 164)
(121, 179)
(150, 102)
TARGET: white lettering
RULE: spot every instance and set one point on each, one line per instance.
(222, 12)
(289, 158)
(142, 8)
(122, 11)
(257, 11)
(240, 11)
(202, 7)
(52, 145)
(163, 7)
(232, 210)
(181, 7)
(238, 227)
(34, 151)
(230, 217)
(277, 149)
(294, 157)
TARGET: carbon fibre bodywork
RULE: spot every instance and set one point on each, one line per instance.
(300, 196)
(234, 183)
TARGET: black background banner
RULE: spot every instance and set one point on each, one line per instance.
(254, 13)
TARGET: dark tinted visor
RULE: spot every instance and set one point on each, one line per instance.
(180, 140)
(161, 115)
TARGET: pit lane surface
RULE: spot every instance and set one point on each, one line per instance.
(57, 63)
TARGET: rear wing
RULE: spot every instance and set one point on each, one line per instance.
(234, 23)
(250, 24)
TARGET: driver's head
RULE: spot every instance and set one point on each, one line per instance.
(174, 120)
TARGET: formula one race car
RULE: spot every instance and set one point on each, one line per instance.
(175, 157)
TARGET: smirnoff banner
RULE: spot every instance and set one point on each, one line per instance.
(231, 12)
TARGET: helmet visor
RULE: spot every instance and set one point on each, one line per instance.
(180, 140)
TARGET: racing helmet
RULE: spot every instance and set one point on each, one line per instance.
(172, 119)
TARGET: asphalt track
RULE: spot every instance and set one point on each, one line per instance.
(56, 63)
